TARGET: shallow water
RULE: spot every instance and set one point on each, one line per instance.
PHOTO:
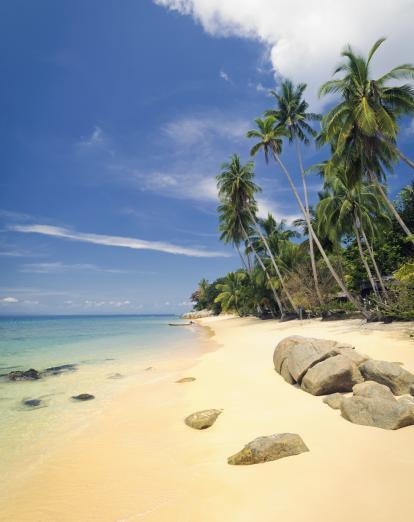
(107, 351)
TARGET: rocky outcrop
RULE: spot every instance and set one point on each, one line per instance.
(58, 370)
(392, 375)
(83, 397)
(27, 375)
(335, 374)
(272, 447)
(197, 315)
(202, 420)
(185, 379)
(333, 400)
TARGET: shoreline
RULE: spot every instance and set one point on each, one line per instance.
(138, 461)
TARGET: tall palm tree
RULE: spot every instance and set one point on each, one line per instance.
(364, 125)
(292, 114)
(232, 217)
(348, 208)
(270, 140)
(236, 183)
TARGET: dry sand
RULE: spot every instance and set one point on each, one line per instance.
(139, 461)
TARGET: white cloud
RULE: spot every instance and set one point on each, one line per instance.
(224, 76)
(266, 206)
(199, 130)
(95, 138)
(9, 300)
(305, 38)
(58, 267)
(115, 241)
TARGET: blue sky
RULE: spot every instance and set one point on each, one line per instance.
(115, 119)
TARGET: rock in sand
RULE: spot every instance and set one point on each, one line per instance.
(202, 420)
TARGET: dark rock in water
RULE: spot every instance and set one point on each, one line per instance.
(63, 368)
(83, 397)
(32, 403)
(202, 420)
(27, 375)
(265, 449)
(186, 379)
(115, 376)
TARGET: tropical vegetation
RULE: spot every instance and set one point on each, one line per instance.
(352, 250)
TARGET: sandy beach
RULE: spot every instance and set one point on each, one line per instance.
(137, 460)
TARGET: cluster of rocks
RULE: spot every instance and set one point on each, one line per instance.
(33, 375)
(325, 367)
(198, 315)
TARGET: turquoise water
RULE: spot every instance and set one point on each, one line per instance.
(99, 347)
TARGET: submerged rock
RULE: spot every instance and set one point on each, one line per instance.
(392, 375)
(336, 374)
(202, 420)
(272, 447)
(186, 379)
(58, 370)
(333, 400)
(83, 397)
(27, 375)
(32, 403)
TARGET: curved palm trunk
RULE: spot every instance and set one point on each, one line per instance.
(242, 258)
(277, 299)
(275, 266)
(341, 285)
(389, 204)
(374, 263)
(311, 249)
(398, 152)
(363, 259)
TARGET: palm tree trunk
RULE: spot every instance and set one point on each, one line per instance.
(242, 258)
(311, 249)
(397, 151)
(374, 263)
(389, 204)
(277, 299)
(275, 266)
(341, 285)
(364, 261)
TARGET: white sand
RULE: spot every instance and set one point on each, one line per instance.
(139, 461)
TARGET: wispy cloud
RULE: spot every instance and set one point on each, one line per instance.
(224, 76)
(9, 300)
(95, 138)
(114, 241)
(266, 206)
(58, 267)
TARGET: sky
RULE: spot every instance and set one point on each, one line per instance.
(115, 119)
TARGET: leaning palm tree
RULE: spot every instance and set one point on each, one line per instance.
(352, 209)
(236, 182)
(364, 125)
(292, 114)
(232, 217)
(270, 140)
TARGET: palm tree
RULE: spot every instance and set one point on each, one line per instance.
(231, 216)
(270, 140)
(292, 114)
(364, 125)
(236, 183)
(348, 208)
(231, 291)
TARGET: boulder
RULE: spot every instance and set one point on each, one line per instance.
(83, 397)
(185, 379)
(412, 389)
(202, 420)
(285, 373)
(407, 400)
(283, 348)
(372, 389)
(377, 411)
(333, 400)
(351, 353)
(335, 374)
(272, 447)
(31, 403)
(392, 375)
(27, 375)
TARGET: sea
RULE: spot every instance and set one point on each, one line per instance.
(100, 355)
